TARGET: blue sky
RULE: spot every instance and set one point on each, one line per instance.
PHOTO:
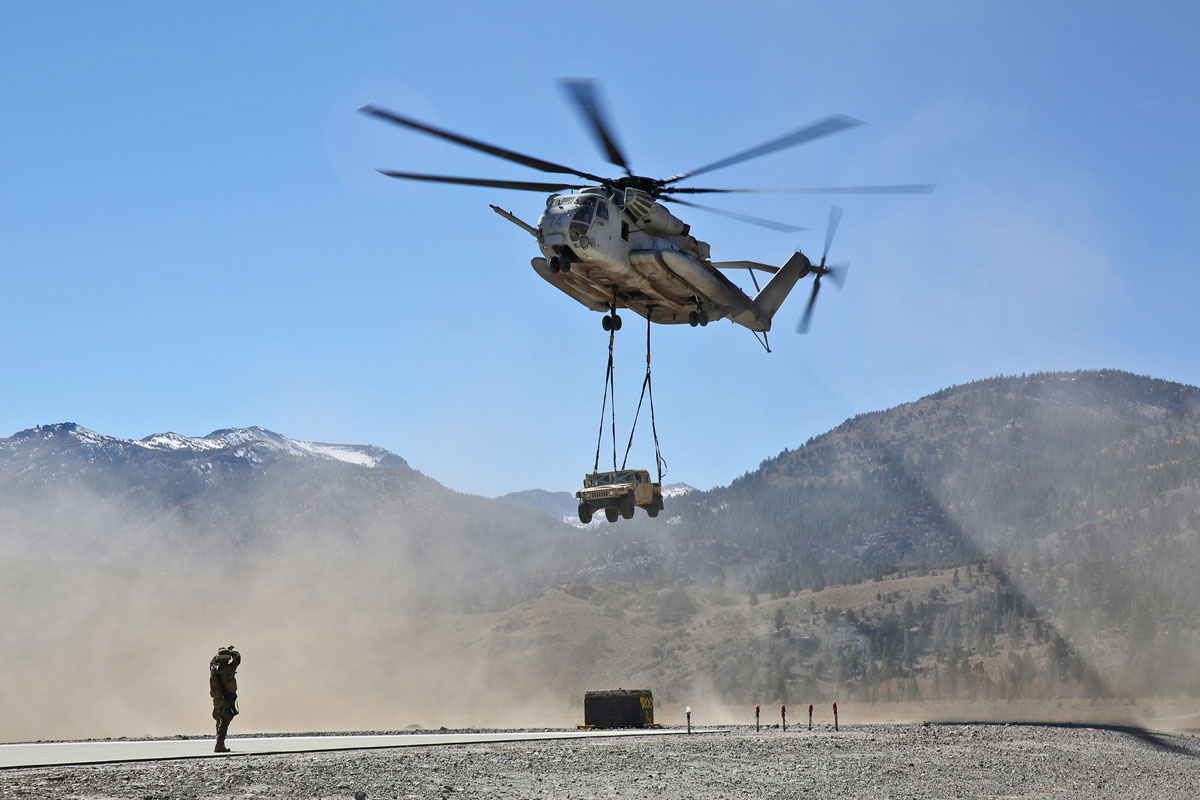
(193, 234)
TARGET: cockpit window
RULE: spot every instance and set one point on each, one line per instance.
(582, 214)
(602, 210)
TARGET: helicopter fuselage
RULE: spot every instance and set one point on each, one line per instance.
(609, 243)
(614, 248)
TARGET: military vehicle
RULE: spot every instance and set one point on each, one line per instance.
(619, 492)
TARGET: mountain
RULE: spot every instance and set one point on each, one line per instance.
(256, 496)
(1035, 463)
(1078, 494)
(70, 451)
(560, 505)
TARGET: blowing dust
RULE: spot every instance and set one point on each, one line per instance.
(379, 623)
(112, 616)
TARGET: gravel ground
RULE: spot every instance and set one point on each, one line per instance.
(863, 761)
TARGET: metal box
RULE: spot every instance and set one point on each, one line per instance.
(618, 708)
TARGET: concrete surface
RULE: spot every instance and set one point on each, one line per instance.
(45, 754)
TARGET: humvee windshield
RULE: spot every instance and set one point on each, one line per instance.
(606, 478)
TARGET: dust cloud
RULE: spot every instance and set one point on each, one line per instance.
(113, 612)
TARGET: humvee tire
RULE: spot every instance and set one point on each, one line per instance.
(627, 506)
(585, 513)
(610, 513)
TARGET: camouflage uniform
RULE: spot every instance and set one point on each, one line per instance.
(222, 686)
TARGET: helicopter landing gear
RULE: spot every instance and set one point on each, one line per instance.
(698, 317)
(559, 264)
(610, 321)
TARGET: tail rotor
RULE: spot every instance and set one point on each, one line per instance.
(836, 272)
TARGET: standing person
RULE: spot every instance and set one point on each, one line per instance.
(222, 685)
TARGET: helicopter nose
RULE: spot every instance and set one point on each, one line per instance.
(553, 227)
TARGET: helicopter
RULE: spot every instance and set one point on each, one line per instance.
(611, 243)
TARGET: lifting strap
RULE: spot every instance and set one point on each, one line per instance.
(647, 388)
(610, 389)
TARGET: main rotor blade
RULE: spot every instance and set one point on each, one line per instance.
(583, 92)
(904, 188)
(835, 217)
(806, 134)
(812, 298)
(764, 223)
(525, 186)
(529, 161)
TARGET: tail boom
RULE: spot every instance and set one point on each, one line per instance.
(768, 301)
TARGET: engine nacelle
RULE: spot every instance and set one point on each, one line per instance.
(651, 216)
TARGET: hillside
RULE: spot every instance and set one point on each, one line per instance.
(1036, 465)
(1079, 494)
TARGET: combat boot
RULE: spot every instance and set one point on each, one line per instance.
(221, 748)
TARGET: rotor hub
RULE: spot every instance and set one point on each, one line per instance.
(651, 186)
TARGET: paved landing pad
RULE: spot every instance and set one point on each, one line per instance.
(50, 754)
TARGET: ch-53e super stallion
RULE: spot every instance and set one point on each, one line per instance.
(611, 243)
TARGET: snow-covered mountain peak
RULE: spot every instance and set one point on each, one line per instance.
(174, 441)
(362, 455)
(245, 442)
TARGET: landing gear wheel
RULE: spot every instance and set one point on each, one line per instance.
(627, 506)
(564, 264)
(606, 322)
(555, 264)
(616, 322)
(702, 318)
(585, 513)
(693, 319)
(611, 514)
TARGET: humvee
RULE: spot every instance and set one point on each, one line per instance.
(618, 492)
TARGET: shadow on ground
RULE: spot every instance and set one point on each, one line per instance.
(1162, 741)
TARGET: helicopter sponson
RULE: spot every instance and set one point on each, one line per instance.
(609, 249)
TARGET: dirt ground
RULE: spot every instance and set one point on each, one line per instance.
(918, 760)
